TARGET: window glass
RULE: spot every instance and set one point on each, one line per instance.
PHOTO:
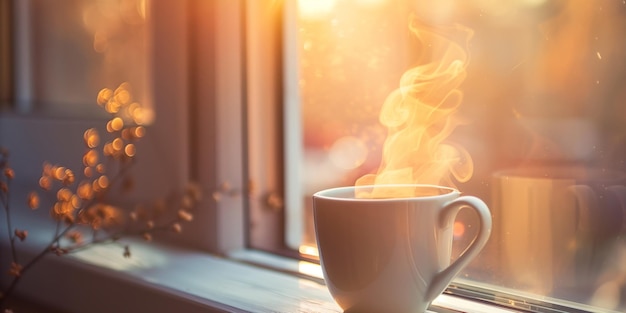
(66, 51)
(523, 103)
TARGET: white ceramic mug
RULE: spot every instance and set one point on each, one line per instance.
(392, 254)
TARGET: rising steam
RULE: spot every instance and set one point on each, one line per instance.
(420, 115)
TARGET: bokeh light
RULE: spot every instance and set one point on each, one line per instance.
(348, 152)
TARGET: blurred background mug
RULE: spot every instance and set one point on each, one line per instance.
(554, 224)
(387, 248)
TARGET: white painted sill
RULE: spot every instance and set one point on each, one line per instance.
(159, 278)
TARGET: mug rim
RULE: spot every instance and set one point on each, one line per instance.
(324, 194)
(561, 172)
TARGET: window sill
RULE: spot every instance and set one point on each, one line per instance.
(159, 278)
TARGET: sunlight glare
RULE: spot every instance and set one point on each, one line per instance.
(534, 3)
(458, 230)
(141, 8)
(310, 269)
(372, 4)
(308, 250)
(348, 152)
(315, 9)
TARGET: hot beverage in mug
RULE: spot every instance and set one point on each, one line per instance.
(387, 248)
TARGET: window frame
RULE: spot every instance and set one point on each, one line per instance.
(273, 129)
(264, 124)
(217, 108)
(6, 68)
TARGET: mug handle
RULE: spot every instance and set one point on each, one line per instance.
(448, 214)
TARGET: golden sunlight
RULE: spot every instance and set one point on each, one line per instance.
(116, 124)
(315, 9)
(120, 36)
(91, 137)
(102, 182)
(138, 131)
(458, 230)
(130, 150)
(142, 8)
(370, 3)
(310, 269)
(308, 250)
(117, 144)
(348, 152)
(90, 158)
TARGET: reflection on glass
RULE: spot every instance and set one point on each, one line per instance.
(67, 50)
(541, 119)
